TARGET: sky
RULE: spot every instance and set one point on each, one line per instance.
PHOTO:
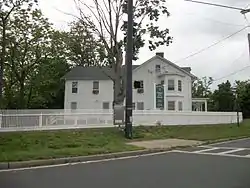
(193, 27)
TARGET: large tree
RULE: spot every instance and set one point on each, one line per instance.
(106, 20)
(243, 99)
(28, 38)
(223, 98)
(84, 49)
(7, 8)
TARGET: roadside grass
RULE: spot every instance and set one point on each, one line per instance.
(20, 146)
(194, 132)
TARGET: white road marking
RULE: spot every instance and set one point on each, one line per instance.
(232, 151)
(204, 150)
(229, 141)
(223, 147)
(214, 154)
(87, 162)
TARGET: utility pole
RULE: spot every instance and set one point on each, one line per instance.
(129, 60)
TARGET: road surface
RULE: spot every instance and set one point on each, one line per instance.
(211, 166)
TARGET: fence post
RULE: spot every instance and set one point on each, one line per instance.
(41, 120)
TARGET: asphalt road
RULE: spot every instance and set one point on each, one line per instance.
(173, 170)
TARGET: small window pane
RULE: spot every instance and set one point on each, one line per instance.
(140, 105)
(171, 105)
(105, 105)
(180, 106)
(74, 87)
(171, 85)
(179, 85)
(96, 85)
(73, 105)
(157, 68)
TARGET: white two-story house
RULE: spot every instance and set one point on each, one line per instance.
(163, 85)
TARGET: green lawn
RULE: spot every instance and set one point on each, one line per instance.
(21, 146)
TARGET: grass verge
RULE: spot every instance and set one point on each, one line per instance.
(20, 146)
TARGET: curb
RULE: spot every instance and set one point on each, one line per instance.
(67, 160)
(36, 163)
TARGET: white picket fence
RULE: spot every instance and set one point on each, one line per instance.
(25, 120)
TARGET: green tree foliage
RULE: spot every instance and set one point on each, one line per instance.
(223, 98)
(83, 48)
(7, 7)
(201, 87)
(243, 99)
(28, 40)
(35, 60)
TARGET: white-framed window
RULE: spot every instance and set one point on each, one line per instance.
(140, 105)
(95, 87)
(171, 105)
(105, 105)
(73, 105)
(180, 106)
(74, 87)
(179, 85)
(171, 85)
(157, 68)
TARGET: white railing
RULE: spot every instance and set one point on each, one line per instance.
(16, 120)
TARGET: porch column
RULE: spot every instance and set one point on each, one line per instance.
(154, 96)
(165, 98)
(205, 105)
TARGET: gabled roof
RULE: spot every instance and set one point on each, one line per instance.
(91, 73)
(185, 70)
(97, 73)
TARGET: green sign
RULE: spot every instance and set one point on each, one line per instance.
(159, 95)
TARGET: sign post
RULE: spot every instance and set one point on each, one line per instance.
(159, 96)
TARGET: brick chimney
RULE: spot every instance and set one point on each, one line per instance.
(161, 54)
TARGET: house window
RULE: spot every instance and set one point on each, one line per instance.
(179, 85)
(105, 105)
(171, 105)
(138, 84)
(157, 68)
(74, 87)
(73, 105)
(171, 85)
(162, 82)
(140, 105)
(180, 106)
(95, 87)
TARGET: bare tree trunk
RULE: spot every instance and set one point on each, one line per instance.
(117, 81)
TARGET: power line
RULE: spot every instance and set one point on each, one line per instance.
(236, 60)
(217, 5)
(214, 20)
(214, 44)
(233, 73)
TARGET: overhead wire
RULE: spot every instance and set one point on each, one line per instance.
(212, 45)
(233, 73)
(228, 75)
